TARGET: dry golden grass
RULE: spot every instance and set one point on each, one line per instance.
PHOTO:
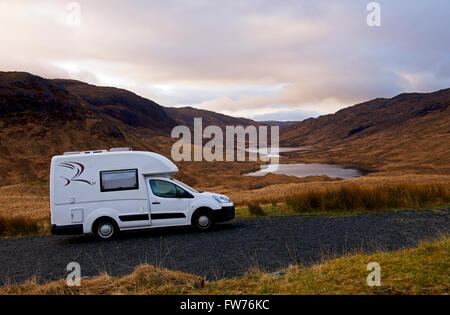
(24, 209)
(378, 197)
(421, 270)
(19, 225)
(144, 280)
(280, 192)
(30, 200)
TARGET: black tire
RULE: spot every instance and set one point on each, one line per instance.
(105, 229)
(203, 220)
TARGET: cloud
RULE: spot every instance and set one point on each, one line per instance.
(238, 57)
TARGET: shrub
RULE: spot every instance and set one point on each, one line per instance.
(18, 225)
(255, 209)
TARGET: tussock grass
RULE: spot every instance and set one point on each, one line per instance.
(279, 192)
(281, 209)
(379, 197)
(420, 270)
(24, 209)
(145, 279)
(255, 209)
(29, 200)
(20, 225)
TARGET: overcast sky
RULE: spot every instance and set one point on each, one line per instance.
(266, 59)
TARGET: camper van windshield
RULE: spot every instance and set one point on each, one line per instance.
(185, 186)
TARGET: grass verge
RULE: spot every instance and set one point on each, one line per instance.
(379, 197)
(21, 226)
(421, 270)
(282, 209)
(351, 198)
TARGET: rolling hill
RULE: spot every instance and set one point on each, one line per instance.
(407, 132)
(40, 118)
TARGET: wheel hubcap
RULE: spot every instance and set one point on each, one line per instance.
(105, 230)
(203, 220)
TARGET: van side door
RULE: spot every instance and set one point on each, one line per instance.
(169, 203)
(120, 191)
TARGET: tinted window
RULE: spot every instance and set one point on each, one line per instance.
(184, 185)
(119, 180)
(180, 191)
(165, 189)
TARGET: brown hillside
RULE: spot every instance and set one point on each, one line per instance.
(40, 118)
(408, 132)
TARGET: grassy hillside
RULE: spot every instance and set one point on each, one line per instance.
(408, 133)
(40, 118)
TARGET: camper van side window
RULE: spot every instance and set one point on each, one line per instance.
(119, 180)
(162, 188)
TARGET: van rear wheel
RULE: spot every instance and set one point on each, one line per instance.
(105, 229)
(203, 220)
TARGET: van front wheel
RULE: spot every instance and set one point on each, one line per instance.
(105, 229)
(203, 220)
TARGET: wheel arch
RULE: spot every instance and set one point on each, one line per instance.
(97, 214)
(100, 219)
(200, 209)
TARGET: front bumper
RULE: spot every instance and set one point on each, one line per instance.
(67, 229)
(224, 214)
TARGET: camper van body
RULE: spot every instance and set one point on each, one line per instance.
(128, 189)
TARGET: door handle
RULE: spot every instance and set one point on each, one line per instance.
(156, 203)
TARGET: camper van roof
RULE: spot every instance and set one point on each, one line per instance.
(149, 163)
(99, 151)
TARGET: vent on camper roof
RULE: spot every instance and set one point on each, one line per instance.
(94, 151)
(73, 152)
(84, 152)
(120, 149)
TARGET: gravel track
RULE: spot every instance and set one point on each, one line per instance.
(230, 250)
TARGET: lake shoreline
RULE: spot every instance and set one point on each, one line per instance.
(301, 170)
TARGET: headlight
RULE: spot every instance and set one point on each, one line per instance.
(222, 199)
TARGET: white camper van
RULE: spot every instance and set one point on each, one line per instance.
(104, 192)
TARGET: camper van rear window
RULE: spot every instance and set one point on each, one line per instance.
(119, 180)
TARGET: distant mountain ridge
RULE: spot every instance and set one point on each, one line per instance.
(23, 93)
(366, 119)
(280, 124)
(408, 132)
